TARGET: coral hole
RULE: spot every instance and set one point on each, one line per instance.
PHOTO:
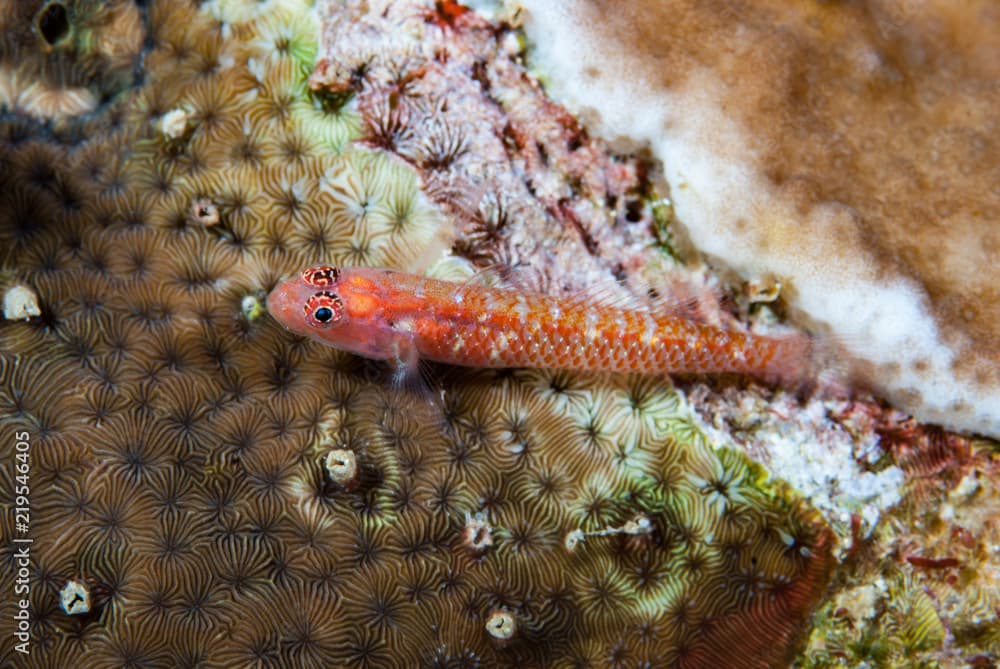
(53, 23)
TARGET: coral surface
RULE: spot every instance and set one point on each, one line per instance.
(61, 58)
(922, 589)
(207, 490)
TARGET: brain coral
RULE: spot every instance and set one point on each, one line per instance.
(86, 52)
(179, 438)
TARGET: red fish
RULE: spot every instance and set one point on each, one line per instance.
(390, 315)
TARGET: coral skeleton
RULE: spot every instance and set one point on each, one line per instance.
(342, 467)
(501, 625)
(637, 526)
(174, 123)
(74, 598)
(20, 302)
(477, 535)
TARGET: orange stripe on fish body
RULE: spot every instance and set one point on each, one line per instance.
(400, 317)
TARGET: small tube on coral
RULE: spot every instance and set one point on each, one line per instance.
(501, 625)
(74, 598)
(762, 290)
(512, 44)
(574, 539)
(20, 302)
(477, 535)
(174, 123)
(251, 307)
(342, 468)
(205, 212)
(638, 526)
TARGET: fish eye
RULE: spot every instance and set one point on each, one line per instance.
(323, 309)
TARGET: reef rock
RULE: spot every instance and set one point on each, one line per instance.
(847, 150)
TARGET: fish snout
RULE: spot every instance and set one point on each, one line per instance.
(282, 306)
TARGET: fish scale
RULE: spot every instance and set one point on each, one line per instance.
(403, 318)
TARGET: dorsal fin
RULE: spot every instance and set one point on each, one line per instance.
(677, 301)
(611, 294)
(681, 299)
(467, 276)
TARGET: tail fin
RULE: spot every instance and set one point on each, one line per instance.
(811, 364)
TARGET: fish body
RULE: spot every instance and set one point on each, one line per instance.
(400, 317)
